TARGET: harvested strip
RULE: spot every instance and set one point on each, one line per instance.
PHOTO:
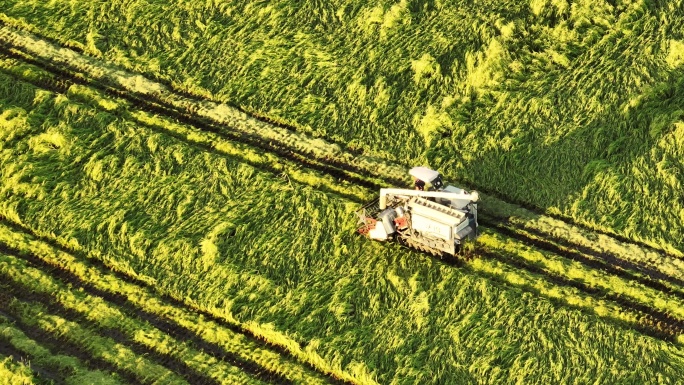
(95, 313)
(73, 339)
(207, 139)
(567, 293)
(220, 113)
(642, 318)
(654, 301)
(211, 335)
(602, 261)
(47, 365)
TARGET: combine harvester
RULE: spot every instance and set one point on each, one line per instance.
(430, 218)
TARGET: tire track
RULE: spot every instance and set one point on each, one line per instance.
(131, 310)
(600, 261)
(327, 166)
(544, 245)
(653, 323)
(60, 344)
(62, 85)
(41, 374)
(164, 324)
(656, 323)
(174, 364)
(323, 161)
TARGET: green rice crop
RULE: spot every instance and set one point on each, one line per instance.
(235, 240)
(15, 373)
(99, 72)
(72, 370)
(107, 316)
(569, 106)
(149, 301)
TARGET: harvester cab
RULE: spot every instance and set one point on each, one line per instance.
(426, 179)
(431, 218)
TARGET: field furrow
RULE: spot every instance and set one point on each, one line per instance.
(656, 279)
(565, 234)
(70, 340)
(646, 318)
(655, 323)
(134, 301)
(196, 367)
(48, 365)
(14, 372)
(206, 271)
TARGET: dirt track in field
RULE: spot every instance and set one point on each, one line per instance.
(175, 365)
(166, 325)
(662, 325)
(41, 374)
(60, 345)
(652, 322)
(599, 261)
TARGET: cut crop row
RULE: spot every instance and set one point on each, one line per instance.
(653, 278)
(216, 117)
(182, 126)
(275, 338)
(128, 196)
(85, 94)
(137, 303)
(28, 284)
(574, 270)
(227, 149)
(47, 362)
(191, 116)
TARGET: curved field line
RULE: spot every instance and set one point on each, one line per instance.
(94, 278)
(547, 245)
(231, 119)
(227, 120)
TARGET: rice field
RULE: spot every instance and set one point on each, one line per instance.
(189, 222)
(471, 89)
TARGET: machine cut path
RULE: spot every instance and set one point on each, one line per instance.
(168, 316)
(71, 67)
(67, 69)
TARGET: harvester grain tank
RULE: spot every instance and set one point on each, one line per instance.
(430, 218)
